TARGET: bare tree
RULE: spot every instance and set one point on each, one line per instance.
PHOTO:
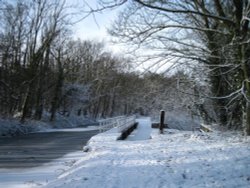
(28, 34)
(204, 32)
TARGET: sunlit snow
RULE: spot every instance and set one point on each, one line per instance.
(175, 159)
(147, 159)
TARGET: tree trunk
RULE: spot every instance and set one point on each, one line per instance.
(58, 88)
(39, 100)
(112, 105)
(219, 90)
(26, 108)
(247, 126)
(40, 86)
(79, 112)
(245, 69)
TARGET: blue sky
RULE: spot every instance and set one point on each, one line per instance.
(94, 26)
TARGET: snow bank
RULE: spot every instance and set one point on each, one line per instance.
(12, 127)
(179, 120)
(175, 159)
(72, 121)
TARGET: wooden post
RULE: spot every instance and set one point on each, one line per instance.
(161, 126)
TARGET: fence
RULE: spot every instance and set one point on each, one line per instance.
(120, 122)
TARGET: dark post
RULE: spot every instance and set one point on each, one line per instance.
(162, 121)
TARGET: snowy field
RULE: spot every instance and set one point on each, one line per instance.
(177, 159)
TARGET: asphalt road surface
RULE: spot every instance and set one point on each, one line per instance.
(36, 149)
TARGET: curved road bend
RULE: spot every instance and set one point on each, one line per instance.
(35, 149)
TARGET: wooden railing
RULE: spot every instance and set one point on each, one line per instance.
(120, 122)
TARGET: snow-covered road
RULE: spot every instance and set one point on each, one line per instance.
(149, 160)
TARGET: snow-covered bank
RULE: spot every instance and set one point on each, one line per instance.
(37, 176)
(179, 120)
(12, 127)
(175, 159)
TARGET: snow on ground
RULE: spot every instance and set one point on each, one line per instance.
(172, 160)
(88, 128)
(12, 127)
(142, 132)
(180, 120)
(37, 176)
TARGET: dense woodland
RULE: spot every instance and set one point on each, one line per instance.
(44, 70)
